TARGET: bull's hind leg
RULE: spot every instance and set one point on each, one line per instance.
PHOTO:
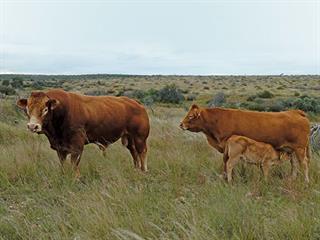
(129, 143)
(141, 147)
(302, 156)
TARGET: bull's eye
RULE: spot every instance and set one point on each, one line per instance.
(44, 111)
(190, 117)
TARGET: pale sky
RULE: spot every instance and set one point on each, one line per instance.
(160, 37)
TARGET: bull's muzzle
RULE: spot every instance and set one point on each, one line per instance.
(34, 127)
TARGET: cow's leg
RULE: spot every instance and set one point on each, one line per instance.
(62, 157)
(301, 155)
(141, 147)
(75, 160)
(232, 161)
(131, 147)
(294, 166)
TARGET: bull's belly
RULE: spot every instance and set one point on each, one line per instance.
(104, 137)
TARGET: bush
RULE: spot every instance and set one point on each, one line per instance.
(5, 82)
(218, 100)
(7, 90)
(96, 92)
(17, 82)
(191, 97)
(37, 85)
(265, 94)
(170, 94)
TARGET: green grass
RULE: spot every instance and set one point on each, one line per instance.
(181, 197)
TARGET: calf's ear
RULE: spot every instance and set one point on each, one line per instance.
(52, 103)
(22, 103)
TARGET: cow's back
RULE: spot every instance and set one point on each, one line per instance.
(289, 128)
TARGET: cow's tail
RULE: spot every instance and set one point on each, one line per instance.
(308, 152)
(301, 113)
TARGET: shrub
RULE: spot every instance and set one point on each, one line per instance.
(17, 82)
(277, 106)
(5, 82)
(37, 85)
(265, 94)
(96, 92)
(191, 97)
(218, 100)
(7, 90)
(170, 94)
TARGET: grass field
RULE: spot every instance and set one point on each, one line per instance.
(181, 197)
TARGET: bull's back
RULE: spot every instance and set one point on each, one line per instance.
(107, 118)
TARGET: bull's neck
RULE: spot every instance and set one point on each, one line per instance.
(56, 127)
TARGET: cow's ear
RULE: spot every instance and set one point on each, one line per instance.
(52, 103)
(22, 103)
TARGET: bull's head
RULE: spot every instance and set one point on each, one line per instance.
(192, 121)
(39, 108)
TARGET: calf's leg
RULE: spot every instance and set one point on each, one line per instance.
(232, 161)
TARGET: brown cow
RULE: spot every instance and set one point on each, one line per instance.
(287, 130)
(242, 148)
(71, 120)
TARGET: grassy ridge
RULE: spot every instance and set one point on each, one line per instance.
(182, 197)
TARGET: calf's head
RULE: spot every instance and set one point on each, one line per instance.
(39, 108)
(192, 121)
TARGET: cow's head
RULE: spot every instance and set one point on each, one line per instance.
(192, 121)
(39, 108)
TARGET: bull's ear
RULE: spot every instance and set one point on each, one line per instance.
(194, 106)
(52, 103)
(22, 103)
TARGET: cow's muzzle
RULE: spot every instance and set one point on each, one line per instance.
(182, 126)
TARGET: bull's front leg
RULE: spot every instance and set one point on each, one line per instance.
(75, 160)
(62, 158)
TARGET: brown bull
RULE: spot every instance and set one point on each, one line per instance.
(71, 120)
(285, 131)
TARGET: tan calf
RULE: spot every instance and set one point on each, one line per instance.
(259, 153)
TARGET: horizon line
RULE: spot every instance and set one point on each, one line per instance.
(156, 74)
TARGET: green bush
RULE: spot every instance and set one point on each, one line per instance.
(5, 82)
(218, 100)
(7, 90)
(265, 94)
(170, 94)
(17, 82)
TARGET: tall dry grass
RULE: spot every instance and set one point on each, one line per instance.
(181, 197)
